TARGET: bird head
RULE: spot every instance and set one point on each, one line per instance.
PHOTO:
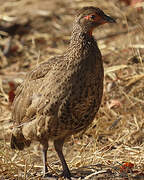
(91, 17)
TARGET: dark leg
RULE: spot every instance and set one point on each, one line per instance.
(58, 144)
(44, 155)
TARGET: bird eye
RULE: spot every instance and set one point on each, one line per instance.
(93, 17)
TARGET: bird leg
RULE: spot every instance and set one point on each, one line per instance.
(44, 155)
(58, 144)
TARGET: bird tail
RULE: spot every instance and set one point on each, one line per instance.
(18, 140)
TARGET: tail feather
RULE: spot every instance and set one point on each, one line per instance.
(18, 141)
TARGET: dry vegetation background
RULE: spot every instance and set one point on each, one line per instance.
(113, 147)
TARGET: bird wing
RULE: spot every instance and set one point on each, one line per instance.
(29, 92)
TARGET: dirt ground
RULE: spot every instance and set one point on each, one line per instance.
(113, 146)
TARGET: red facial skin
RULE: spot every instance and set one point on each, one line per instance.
(96, 18)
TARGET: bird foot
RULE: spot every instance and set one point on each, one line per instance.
(47, 175)
(66, 174)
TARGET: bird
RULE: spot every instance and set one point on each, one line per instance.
(61, 96)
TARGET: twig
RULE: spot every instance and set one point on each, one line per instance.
(118, 33)
(95, 173)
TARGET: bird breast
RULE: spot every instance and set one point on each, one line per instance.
(84, 92)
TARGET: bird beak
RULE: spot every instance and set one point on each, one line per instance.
(108, 19)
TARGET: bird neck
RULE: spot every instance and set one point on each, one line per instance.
(81, 42)
(80, 35)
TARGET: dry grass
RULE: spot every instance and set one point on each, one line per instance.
(117, 133)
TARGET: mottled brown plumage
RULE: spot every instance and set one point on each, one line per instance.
(61, 96)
